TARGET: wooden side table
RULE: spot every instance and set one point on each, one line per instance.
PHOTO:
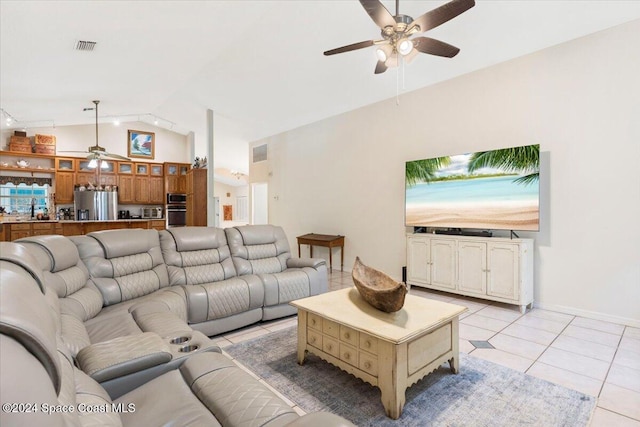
(326, 240)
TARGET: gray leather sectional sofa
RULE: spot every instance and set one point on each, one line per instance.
(123, 317)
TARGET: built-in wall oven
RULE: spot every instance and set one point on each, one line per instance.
(176, 210)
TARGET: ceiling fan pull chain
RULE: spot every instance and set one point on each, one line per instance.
(398, 85)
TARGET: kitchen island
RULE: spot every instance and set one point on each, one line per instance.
(11, 229)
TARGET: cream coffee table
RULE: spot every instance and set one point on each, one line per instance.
(391, 351)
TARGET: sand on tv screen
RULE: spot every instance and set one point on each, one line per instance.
(496, 189)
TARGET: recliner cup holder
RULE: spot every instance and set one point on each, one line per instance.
(179, 340)
(188, 348)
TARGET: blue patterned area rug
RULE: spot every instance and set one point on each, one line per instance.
(482, 394)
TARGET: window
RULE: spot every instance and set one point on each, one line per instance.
(19, 198)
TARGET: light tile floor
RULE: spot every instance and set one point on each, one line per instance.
(597, 358)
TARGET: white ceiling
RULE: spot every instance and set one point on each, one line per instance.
(257, 64)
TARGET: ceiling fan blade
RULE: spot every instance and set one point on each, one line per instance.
(378, 13)
(114, 156)
(348, 48)
(441, 14)
(381, 67)
(435, 47)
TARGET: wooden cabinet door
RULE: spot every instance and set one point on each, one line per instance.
(141, 189)
(71, 229)
(84, 178)
(156, 190)
(472, 267)
(64, 187)
(417, 260)
(108, 180)
(443, 263)
(503, 270)
(125, 189)
(18, 231)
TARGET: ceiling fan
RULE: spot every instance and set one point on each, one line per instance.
(397, 30)
(97, 152)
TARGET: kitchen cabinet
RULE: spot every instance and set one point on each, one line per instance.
(125, 189)
(65, 182)
(157, 224)
(197, 197)
(176, 177)
(156, 190)
(141, 189)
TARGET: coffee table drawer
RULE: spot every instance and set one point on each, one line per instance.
(349, 335)
(314, 338)
(349, 354)
(330, 328)
(331, 346)
(314, 321)
(368, 363)
(368, 343)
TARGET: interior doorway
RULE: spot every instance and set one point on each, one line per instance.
(259, 203)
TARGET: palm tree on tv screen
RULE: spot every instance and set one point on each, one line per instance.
(516, 159)
(424, 170)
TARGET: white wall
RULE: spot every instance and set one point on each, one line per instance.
(169, 146)
(580, 101)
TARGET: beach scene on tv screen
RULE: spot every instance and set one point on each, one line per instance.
(495, 189)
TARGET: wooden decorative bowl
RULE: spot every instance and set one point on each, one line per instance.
(378, 289)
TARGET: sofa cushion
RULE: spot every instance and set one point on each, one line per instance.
(122, 243)
(258, 249)
(196, 255)
(64, 272)
(124, 264)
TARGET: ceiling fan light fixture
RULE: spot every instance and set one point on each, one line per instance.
(404, 46)
(104, 165)
(381, 54)
(93, 163)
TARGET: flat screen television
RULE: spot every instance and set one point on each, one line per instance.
(487, 190)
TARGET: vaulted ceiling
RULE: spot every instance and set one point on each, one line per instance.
(257, 64)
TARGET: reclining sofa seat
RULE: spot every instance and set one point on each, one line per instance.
(264, 250)
(208, 389)
(127, 268)
(198, 258)
(66, 275)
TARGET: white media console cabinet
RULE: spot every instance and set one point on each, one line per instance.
(493, 268)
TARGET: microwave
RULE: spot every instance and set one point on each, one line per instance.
(152, 213)
(176, 199)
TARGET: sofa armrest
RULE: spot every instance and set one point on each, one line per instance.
(305, 262)
(123, 355)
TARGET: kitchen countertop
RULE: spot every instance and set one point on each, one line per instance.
(70, 221)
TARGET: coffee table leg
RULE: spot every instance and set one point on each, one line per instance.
(302, 336)
(392, 379)
(454, 362)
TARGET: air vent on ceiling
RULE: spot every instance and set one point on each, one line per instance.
(260, 153)
(85, 45)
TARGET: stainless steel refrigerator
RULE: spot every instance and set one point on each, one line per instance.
(95, 205)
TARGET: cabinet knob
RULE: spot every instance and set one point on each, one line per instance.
(346, 335)
(313, 339)
(367, 343)
(313, 321)
(347, 356)
(367, 365)
(329, 347)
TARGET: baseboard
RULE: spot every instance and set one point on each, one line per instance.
(589, 314)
